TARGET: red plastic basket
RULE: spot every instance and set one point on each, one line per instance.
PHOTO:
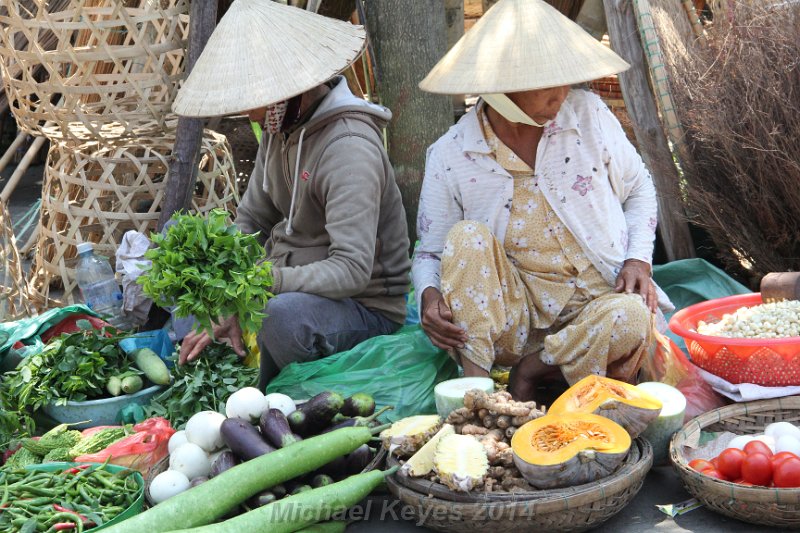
(767, 362)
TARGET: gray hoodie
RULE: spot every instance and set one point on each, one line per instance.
(328, 208)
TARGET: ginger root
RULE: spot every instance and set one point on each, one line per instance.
(510, 431)
(472, 429)
(499, 402)
(460, 416)
(533, 414)
(503, 421)
(489, 421)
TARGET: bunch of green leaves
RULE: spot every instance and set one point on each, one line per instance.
(72, 367)
(208, 269)
(202, 385)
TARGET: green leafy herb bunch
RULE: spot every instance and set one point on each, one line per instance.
(209, 269)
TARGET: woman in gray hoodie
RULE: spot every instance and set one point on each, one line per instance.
(322, 196)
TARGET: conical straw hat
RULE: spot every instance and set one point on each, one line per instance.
(521, 45)
(264, 52)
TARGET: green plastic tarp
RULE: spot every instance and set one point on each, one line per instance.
(691, 281)
(402, 369)
(399, 370)
(28, 330)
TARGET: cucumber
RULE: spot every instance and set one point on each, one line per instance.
(154, 368)
(114, 386)
(300, 510)
(219, 495)
(132, 384)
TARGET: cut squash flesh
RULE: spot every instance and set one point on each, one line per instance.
(559, 450)
(621, 402)
(408, 435)
(461, 462)
(421, 463)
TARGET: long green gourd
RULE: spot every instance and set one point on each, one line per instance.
(301, 510)
(218, 496)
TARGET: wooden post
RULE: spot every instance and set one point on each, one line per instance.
(22, 167)
(338, 9)
(454, 18)
(641, 106)
(186, 153)
(409, 38)
(9, 155)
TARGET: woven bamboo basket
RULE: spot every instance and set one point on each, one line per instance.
(757, 505)
(97, 193)
(112, 67)
(13, 287)
(570, 509)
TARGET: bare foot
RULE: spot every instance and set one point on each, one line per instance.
(527, 374)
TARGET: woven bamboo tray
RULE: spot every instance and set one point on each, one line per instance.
(377, 463)
(570, 509)
(757, 505)
(84, 70)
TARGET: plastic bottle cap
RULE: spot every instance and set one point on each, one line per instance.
(85, 247)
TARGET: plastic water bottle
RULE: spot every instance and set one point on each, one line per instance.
(99, 287)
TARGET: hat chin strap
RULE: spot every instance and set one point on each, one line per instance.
(509, 110)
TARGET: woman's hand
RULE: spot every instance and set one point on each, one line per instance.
(635, 278)
(437, 321)
(195, 342)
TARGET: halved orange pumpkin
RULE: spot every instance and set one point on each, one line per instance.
(628, 406)
(569, 449)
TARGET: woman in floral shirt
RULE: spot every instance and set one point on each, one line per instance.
(537, 217)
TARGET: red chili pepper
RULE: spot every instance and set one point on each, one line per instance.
(76, 469)
(62, 509)
(64, 526)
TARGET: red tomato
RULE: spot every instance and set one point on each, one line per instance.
(700, 465)
(757, 469)
(715, 462)
(730, 463)
(778, 458)
(787, 473)
(756, 446)
(743, 483)
(710, 472)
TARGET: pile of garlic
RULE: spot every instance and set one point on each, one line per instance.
(765, 321)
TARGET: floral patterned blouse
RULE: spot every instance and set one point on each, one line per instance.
(590, 174)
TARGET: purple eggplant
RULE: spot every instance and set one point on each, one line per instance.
(359, 459)
(243, 439)
(359, 404)
(316, 414)
(224, 461)
(275, 428)
(359, 421)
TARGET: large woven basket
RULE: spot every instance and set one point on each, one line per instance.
(757, 505)
(98, 192)
(569, 509)
(92, 69)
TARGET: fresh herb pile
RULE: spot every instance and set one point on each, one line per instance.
(202, 385)
(72, 367)
(210, 270)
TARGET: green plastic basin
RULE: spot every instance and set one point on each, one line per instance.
(133, 510)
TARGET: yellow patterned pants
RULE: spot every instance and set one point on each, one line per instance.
(491, 298)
